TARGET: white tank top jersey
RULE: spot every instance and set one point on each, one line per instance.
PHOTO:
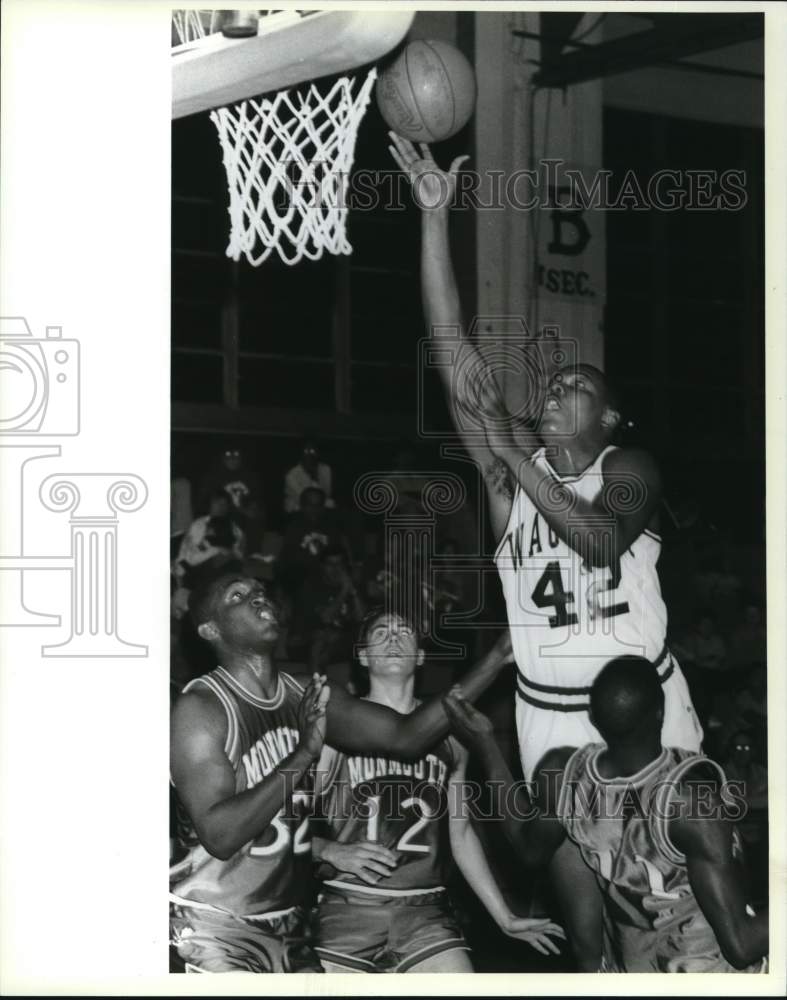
(568, 619)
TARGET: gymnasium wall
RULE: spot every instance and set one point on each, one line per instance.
(334, 348)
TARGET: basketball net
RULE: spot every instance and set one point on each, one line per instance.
(288, 158)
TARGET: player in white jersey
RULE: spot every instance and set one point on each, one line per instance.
(570, 613)
(576, 526)
(655, 824)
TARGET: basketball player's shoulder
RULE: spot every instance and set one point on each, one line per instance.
(695, 790)
(199, 705)
(632, 461)
(199, 697)
(556, 759)
(553, 765)
(695, 776)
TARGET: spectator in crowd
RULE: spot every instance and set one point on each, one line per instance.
(408, 480)
(309, 471)
(740, 764)
(751, 703)
(311, 529)
(212, 544)
(751, 777)
(376, 581)
(704, 647)
(181, 513)
(703, 657)
(450, 645)
(717, 586)
(749, 640)
(326, 616)
(232, 474)
(262, 546)
(449, 585)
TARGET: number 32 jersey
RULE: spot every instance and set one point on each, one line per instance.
(401, 805)
(271, 873)
(568, 619)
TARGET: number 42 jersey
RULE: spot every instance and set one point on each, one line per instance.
(568, 619)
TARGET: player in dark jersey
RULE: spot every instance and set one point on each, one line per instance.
(244, 740)
(390, 827)
(576, 522)
(655, 824)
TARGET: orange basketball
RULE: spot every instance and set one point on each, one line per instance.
(428, 92)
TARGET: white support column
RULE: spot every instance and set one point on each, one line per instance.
(545, 262)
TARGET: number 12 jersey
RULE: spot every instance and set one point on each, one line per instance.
(399, 804)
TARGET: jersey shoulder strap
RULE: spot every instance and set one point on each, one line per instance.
(291, 684)
(212, 683)
(574, 771)
(661, 808)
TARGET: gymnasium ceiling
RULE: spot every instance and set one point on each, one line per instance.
(721, 44)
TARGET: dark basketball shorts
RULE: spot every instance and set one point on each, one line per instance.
(384, 933)
(207, 940)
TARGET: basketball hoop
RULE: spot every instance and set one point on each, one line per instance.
(188, 25)
(287, 154)
(288, 158)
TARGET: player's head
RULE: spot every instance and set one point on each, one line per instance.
(234, 612)
(740, 748)
(579, 402)
(232, 459)
(310, 454)
(627, 701)
(389, 644)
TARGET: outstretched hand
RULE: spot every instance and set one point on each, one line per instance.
(483, 402)
(471, 726)
(535, 932)
(433, 188)
(311, 715)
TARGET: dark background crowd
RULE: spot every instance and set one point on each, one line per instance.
(300, 528)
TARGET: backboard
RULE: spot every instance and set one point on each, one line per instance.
(290, 47)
